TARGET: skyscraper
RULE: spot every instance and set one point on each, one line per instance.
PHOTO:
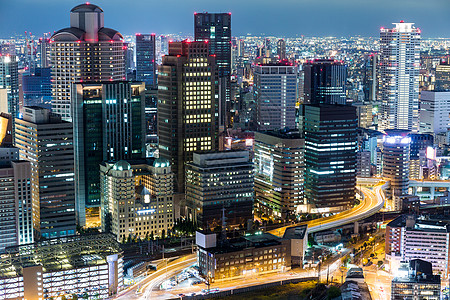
(281, 49)
(47, 142)
(146, 59)
(16, 217)
(216, 29)
(109, 120)
(325, 81)
(434, 112)
(330, 156)
(275, 88)
(186, 105)
(86, 51)
(370, 79)
(9, 85)
(399, 77)
(442, 77)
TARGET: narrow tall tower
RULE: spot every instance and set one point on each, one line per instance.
(216, 29)
(399, 77)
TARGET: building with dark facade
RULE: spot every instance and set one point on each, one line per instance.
(187, 105)
(325, 81)
(216, 29)
(146, 59)
(330, 156)
(109, 125)
(220, 184)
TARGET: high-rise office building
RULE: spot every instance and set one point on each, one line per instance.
(330, 156)
(370, 79)
(275, 88)
(146, 59)
(396, 159)
(325, 81)
(86, 51)
(16, 217)
(47, 142)
(220, 184)
(186, 105)
(37, 88)
(44, 51)
(241, 48)
(109, 120)
(434, 112)
(281, 49)
(216, 29)
(442, 74)
(399, 77)
(143, 189)
(9, 85)
(279, 169)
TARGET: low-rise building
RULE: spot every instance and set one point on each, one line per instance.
(137, 198)
(249, 255)
(416, 282)
(89, 266)
(408, 238)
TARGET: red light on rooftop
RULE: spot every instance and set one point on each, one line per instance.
(111, 41)
(138, 34)
(401, 21)
(229, 13)
(88, 3)
(195, 13)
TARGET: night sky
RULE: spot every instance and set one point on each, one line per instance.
(287, 18)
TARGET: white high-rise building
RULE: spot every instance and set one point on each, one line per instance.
(399, 77)
(86, 51)
(434, 112)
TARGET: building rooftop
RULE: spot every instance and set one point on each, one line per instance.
(86, 7)
(297, 232)
(257, 240)
(59, 254)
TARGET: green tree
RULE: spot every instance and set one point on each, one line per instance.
(74, 297)
(333, 292)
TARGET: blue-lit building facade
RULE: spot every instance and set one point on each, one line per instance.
(146, 59)
(330, 156)
(37, 88)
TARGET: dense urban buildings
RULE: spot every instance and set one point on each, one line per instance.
(442, 75)
(46, 142)
(187, 105)
(399, 77)
(146, 59)
(215, 28)
(37, 88)
(218, 185)
(89, 267)
(136, 198)
(85, 51)
(279, 173)
(330, 156)
(109, 120)
(325, 81)
(275, 89)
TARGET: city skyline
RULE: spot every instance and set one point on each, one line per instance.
(290, 18)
